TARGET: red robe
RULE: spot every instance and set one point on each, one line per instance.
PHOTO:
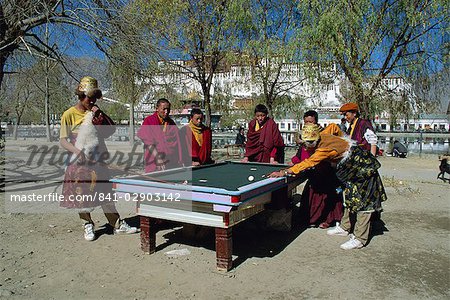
(166, 143)
(91, 178)
(193, 151)
(265, 142)
(300, 156)
(358, 133)
(320, 201)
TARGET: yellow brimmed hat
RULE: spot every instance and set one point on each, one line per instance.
(89, 86)
(311, 132)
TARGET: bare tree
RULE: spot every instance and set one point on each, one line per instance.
(22, 99)
(26, 90)
(17, 21)
(21, 34)
(124, 38)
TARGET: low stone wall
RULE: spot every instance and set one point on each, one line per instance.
(441, 135)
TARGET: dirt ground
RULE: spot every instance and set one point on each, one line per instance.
(44, 255)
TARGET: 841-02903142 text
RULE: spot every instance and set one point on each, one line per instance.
(107, 197)
(156, 197)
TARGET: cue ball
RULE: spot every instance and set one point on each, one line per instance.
(251, 178)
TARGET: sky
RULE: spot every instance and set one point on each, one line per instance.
(76, 43)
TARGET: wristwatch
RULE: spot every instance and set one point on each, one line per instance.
(285, 171)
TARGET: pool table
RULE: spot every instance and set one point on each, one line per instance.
(219, 195)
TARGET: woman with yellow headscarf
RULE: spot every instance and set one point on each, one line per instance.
(357, 169)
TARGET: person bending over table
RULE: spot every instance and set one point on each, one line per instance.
(161, 139)
(264, 141)
(84, 128)
(322, 205)
(357, 169)
(197, 139)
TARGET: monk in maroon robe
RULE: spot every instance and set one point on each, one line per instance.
(161, 139)
(198, 140)
(264, 141)
(360, 130)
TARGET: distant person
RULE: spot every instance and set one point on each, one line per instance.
(240, 137)
(161, 139)
(320, 201)
(54, 132)
(357, 169)
(87, 174)
(343, 125)
(197, 139)
(240, 140)
(264, 141)
(399, 150)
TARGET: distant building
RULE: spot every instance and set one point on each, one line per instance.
(426, 122)
(240, 83)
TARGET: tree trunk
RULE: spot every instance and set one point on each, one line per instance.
(47, 104)
(361, 99)
(47, 93)
(364, 109)
(207, 105)
(16, 125)
(269, 107)
(131, 126)
(208, 110)
(2, 66)
(16, 129)
(392, 125)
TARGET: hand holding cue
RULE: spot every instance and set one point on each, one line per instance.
(281, 173)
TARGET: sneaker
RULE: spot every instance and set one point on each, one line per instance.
(337, 231)
(352, 243)
(125, 228)
(89, 232)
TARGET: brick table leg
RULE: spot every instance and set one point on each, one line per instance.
(224, 248)
(148, 234)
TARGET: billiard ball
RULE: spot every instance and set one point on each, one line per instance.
(251, 178)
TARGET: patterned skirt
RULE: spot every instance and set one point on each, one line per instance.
(363, 188)
(86, 186)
